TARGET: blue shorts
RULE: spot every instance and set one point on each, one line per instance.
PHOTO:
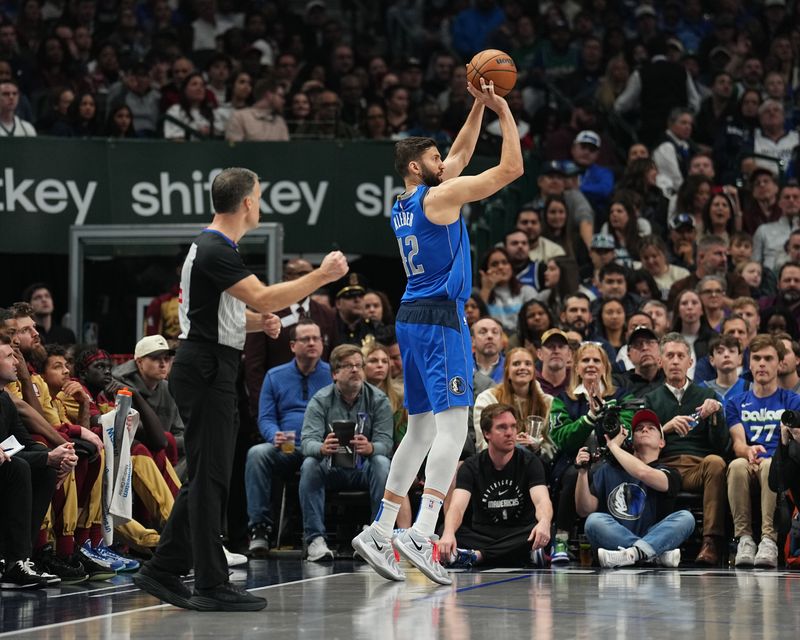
(437, 355)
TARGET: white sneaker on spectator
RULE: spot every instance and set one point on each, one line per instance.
(767, 555)
(234, 559)
(671, 558)
(378, 552)
(611, 558)
(423, 553)
(745, 552)
(318, 550)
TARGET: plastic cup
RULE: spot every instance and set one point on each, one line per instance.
(535, 427)
(287, 446)
(585, 549)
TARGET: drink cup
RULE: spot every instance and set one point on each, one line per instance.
(535, 427)
(585, 549)
(287, 446)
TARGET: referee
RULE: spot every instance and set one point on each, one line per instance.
(216, 288)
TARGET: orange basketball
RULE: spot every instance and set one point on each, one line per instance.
(495, 66)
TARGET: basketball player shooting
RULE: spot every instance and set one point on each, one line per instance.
(432, 330)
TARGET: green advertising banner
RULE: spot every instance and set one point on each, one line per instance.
(325, 193)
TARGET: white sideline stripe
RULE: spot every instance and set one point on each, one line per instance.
(55, 625)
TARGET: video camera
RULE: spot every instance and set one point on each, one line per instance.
(608, 423)
(791, 418)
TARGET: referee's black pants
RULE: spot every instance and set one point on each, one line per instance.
(203, 383)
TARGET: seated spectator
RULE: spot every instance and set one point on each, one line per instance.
(769, 240)
(374, 125)
(643, 285)
(737, 131)
(500, 289)
(788, 378)
(644, 355)
(526, 270)
(556, 358)
(596, 182)
(788, 294)
(28, 481)
(138, 93)
(474, 310)
(326, 121)
(751, 272)
(725, 358)
(511, 508)
(671, 156)
(641, 176)
(147, 374)
(720, 215)
(626, 227)
(572, 421)
(559, 227)
(119, 123)
(348, 398)
(613, 283)
(487, 346)
(753, 418)
(40, 297)
(610, 324)
(260, 122)
(12, 125)
(601, 252)
(712, 260)
(284, 396)
(519, 387)
(712, 289)
(784, 472)
(653, 256)
(692, 198)
(560, 279)
(194, 117)
(771, 138)
(541, 248)
(696, 439)
(762, 206)
(630, 506)
(682, 241)
(377, 307)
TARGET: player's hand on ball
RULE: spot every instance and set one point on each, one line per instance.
(487, 96)
(271, 324)
(334, 266)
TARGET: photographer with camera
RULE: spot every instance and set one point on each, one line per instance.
(573, 419)
(696, 438)
(754, 419)
(630, 505)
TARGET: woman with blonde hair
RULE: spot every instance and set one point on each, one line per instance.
(520, 389)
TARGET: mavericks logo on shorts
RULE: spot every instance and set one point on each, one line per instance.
(457, 385)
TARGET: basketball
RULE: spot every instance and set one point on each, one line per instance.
(495, 66)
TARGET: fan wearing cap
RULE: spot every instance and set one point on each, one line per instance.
(147, 373)
(352, 326)
(555, 355)
(682, 240)
(629, 504)
(642, 352)
(696, 437)
(595, 182)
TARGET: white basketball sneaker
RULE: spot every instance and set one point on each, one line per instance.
(378, 552)
(423, 554)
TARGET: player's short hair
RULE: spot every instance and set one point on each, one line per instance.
(231, 187)
(492, 411)
(409, 150)
(765, 341)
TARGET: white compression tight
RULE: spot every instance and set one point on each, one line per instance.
(441, 438)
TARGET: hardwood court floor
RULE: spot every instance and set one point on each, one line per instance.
(346, 600)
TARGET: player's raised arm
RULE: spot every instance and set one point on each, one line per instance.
(443, 203)
(464, 145)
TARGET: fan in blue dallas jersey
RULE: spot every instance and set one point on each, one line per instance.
(754, 420)
(431, 328)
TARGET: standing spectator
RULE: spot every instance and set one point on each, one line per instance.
(671, 156)
(631, 505)
(754, 418)
(39, 296)
(260, 122)
(282, 403)
(348, 398)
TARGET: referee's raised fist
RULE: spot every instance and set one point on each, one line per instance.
(334, 266)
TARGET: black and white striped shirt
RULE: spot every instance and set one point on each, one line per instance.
(207, 313)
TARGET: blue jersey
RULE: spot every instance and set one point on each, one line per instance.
(435, 257)
(761, 417)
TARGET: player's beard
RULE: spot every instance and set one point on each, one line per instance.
(429, 178)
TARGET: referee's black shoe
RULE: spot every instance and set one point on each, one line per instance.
(164, 586)
(226, 597)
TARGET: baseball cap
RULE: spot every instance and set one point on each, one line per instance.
(152, 346)
(587, 137)
(352, 286)
(644, 10)
(412, 62)
(569, 168)
(555, 332)
(676, 44)
(682, 220)
(646, 415)
(553, 166)
(602, 241)
(642, 330)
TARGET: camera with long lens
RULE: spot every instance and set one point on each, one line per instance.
(609, 422)
(791, 418)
